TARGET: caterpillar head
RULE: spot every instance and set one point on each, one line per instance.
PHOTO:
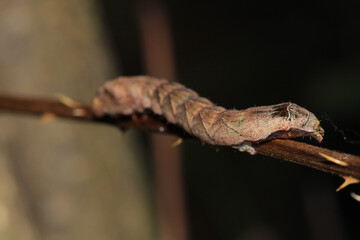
(284, 120)
(296, 121)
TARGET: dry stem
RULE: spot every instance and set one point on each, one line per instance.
(305, 154)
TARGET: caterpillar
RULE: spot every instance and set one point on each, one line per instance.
(199, 117)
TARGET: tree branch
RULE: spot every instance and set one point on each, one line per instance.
(304, 154)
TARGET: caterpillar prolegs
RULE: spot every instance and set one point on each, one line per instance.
(200, 117)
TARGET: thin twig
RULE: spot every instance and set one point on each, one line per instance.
(305, 154)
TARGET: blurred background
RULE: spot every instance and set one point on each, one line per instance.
(73, 180)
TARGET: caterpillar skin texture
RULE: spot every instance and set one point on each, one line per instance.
(200, 117)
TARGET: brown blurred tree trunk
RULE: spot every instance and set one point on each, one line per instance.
(63, 180)
(159, 61)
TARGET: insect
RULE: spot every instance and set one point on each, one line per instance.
(200, 117)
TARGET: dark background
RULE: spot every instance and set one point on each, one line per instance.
(250, 53)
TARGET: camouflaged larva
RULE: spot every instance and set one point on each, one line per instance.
(200, 117)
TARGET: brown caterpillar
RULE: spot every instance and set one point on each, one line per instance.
(200, 117)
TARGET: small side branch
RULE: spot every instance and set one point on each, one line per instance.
(344, 165)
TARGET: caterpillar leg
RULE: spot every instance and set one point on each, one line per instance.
(246, 147)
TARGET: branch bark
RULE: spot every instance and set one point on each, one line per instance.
(322, 159)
